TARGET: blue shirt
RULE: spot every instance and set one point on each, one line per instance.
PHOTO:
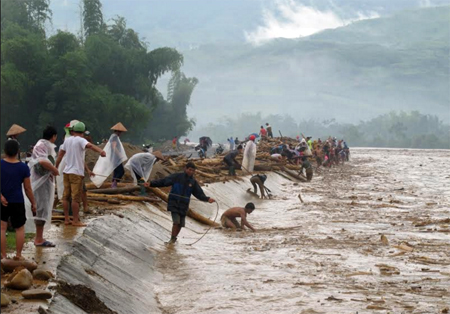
(13, 175)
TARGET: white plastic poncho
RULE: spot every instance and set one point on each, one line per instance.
(142, 165)
(248, 163)
(60, 178)
(115, 155)
(307, 151)
(42, 182)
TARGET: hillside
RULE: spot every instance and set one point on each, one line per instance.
(350, 73)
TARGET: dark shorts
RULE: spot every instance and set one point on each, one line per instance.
(15, 211)
(178, 219)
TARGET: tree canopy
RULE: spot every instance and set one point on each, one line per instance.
(105, 77)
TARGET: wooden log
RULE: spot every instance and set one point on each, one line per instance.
(294, 175)
(91, 186)
(190, 213)
(204, 174)
(104, 199)
(126, 197)
(172, 162)
(123, 190)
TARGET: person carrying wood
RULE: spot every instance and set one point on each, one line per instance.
(183, 185)
(231, 162)
(259, 180)
(229, 221)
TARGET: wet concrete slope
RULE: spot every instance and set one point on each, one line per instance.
(114, 259)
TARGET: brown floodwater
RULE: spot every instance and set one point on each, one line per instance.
(324, 255)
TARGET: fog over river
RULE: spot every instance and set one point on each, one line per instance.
(324, 255)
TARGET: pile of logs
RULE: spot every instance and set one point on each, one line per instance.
(214, 170)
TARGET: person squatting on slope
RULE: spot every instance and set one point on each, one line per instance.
(183, 185)
(228, 219)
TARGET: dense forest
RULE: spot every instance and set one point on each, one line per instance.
(394, 129)
(102, 75)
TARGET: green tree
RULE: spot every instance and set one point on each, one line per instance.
(92, 17)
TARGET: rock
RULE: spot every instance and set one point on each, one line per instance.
(20, 279)
(9, 265)
(384, 240)
(5, 300)
(37, 294)
(42, 274)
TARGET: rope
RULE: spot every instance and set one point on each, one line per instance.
(217, 213)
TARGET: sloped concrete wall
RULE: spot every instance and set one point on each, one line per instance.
(116, 257)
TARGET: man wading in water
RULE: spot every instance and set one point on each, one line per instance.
(183, 185)
(229, 221)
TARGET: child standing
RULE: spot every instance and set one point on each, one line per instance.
(13, 174)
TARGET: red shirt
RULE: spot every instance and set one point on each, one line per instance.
(263, 132)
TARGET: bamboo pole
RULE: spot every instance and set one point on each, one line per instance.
(91, 186)
(192, 214)
(126, 197)
(123, 190)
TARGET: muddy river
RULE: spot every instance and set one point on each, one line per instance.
(372, 236)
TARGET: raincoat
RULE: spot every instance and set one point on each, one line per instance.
(248, 163)
(142, 165)
(42, 182)
(115, 155)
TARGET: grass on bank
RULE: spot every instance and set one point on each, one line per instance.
(11, 240)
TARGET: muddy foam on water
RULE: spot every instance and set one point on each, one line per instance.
(324, 255)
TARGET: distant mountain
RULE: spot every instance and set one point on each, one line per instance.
(189, 23)
(350, 73)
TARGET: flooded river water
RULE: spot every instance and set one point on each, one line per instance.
(372, 236)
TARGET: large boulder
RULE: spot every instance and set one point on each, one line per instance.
(20, 279)
(37, 294)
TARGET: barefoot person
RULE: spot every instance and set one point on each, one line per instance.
(229, 221)
(43, 173)
(74, 148)
(13, 174)
(183, 185)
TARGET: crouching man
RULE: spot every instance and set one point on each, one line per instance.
(229, 221)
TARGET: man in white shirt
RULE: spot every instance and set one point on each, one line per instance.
(74, 148)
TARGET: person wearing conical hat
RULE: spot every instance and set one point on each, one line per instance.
(13, 133)
(116, 156)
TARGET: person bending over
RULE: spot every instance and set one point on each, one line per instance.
(229, 221)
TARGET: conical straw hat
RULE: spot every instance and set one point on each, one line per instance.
(119, 127)
(158, 154)
(15, 129)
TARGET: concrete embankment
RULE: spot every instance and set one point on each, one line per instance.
(111, 266)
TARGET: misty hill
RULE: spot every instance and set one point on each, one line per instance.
(187, 23)
(355, 72)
